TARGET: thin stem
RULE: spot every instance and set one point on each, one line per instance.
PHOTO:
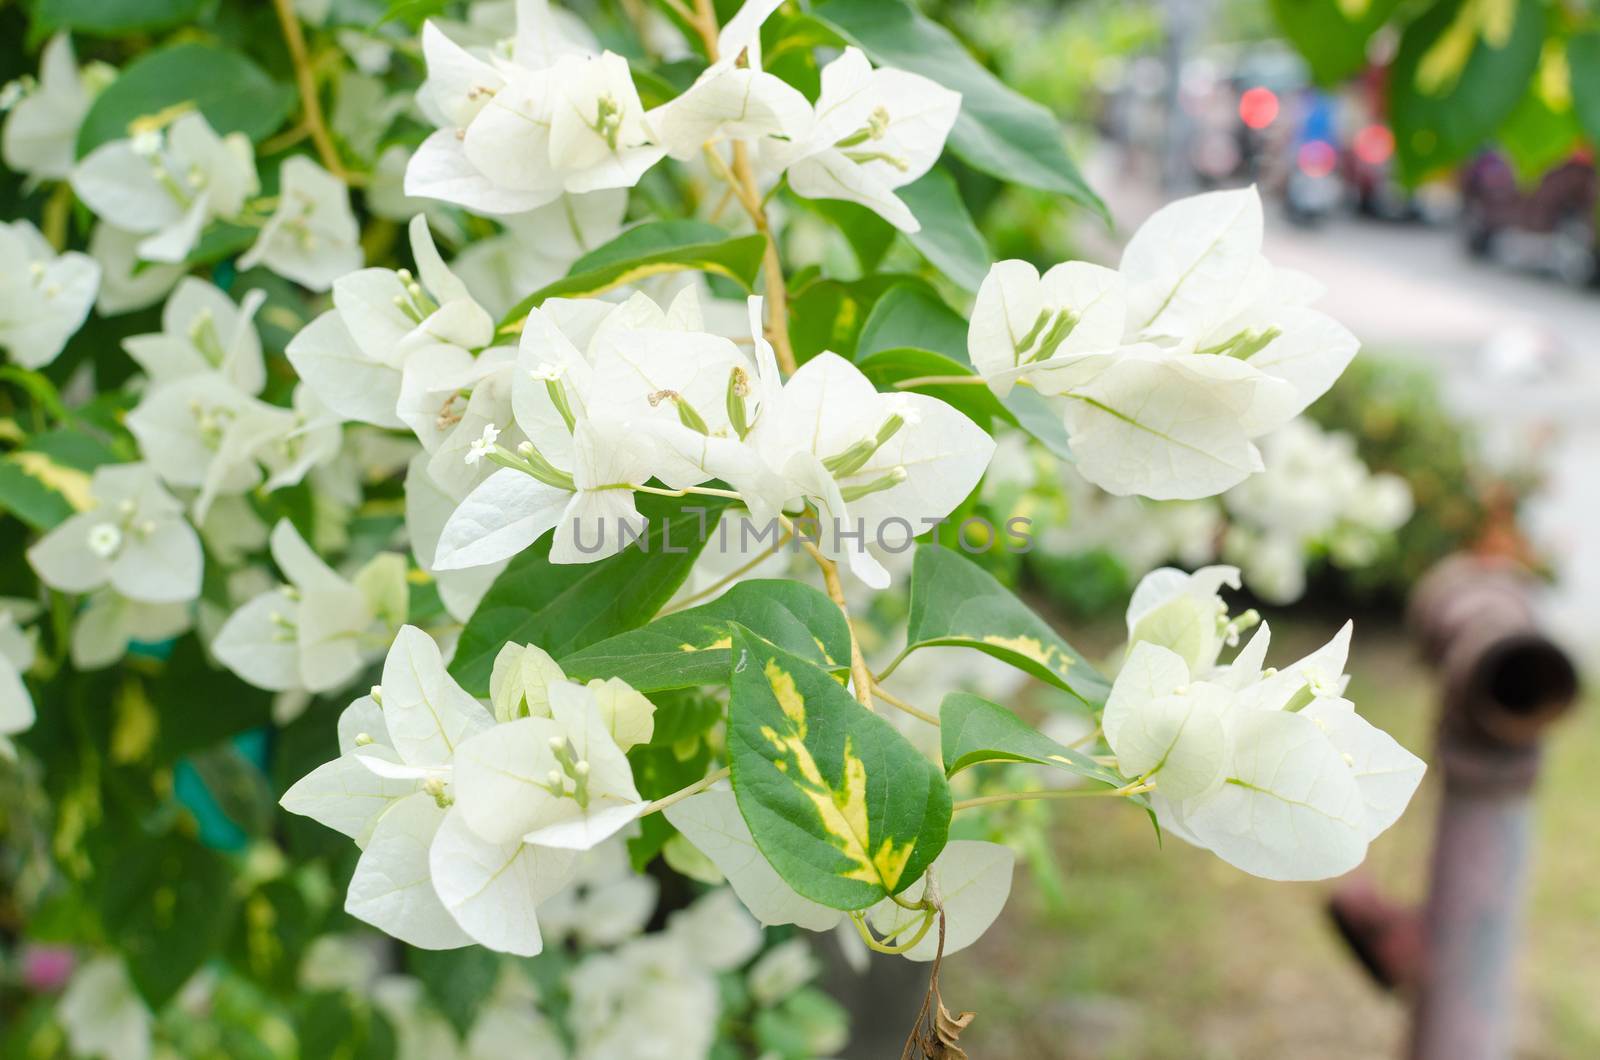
(762, 557)
(941, 380)
(306, 81)
(1054, 793)
(897, 702)
(683, 793)
(698, 491)
(1087, 740)
(860, 676)
(894, 664)
(771, 262)
(898, 948)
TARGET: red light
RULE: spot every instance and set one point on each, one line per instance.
(1374, 144)
(1317, 158)
(1258, 107)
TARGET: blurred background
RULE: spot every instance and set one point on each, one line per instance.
(1433, 166)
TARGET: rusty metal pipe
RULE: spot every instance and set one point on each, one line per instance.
(1502, 683)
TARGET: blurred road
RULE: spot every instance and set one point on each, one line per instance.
(1518, 352)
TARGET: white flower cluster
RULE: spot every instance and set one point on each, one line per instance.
(469, 820)
(1314, 494)
(1271, 770)
(557, 116)
(1167, 368)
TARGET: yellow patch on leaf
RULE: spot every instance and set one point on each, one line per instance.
(67, 481)
(1046, 655)
(720, 642)
(843, 811)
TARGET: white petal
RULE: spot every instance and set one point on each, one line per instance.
(161, 566)
(499, 777)
(255, 646)
(712, 822)
(504, 514)
(493, 889)
(1291, 808)
(1185, 263)
(1173, 428)
(392, 889)
(428, 714)
(345, 795)
(1150, 672)
(974, 881)
(1387, 773)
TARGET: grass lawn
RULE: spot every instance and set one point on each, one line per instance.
(1153, 953)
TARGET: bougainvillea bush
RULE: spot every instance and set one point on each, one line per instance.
(497, 504)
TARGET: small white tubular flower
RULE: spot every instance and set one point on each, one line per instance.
(203, 331)
(355, 354)
(169, 194)
(312, 237)
(135, 539)
(873, 131)
(44, 296)
(314, 635)
(484, 444)
(1306, 783)
(1055, 331)
(1185, 614)
(41, 130)
(559, 781)
(871, 463)
(973, 881)
(16, 702)
(712, 822)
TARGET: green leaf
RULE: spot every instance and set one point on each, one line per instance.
(457, 981)
(829, 314)
(912, 315)
(652, 249)
(112, 18)
(869, 235)
(692, 647)
(1458, 74)
(949, 239)
(47, 478)
(955, 601)
(1583, 61)
(845, 809)
(562, 607)
(1331, 35)
(1540, 133)
(973, 730)
(233, 93)
(998, 131)
(166, 904)
(888, 368)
